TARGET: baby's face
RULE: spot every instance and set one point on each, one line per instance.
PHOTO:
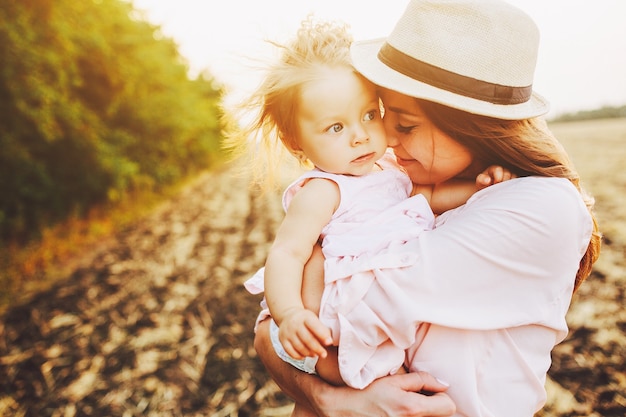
(340, 129)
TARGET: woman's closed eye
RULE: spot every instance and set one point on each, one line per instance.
(404, 129)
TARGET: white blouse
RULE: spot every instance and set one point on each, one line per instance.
(495, 280)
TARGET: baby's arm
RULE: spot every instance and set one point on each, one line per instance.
(454, 193)
(301, 332)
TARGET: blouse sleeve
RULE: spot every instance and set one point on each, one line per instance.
(508, 257)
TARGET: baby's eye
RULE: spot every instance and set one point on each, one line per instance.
(370, 115)
(336, 128)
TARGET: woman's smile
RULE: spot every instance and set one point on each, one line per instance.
(404, 160)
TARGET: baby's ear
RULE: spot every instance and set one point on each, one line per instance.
(299, 155)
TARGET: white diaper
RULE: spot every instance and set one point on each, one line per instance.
(307, 364)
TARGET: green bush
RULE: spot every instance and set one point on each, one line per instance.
(94, 102)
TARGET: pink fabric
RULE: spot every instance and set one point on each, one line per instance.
(362, 242)
(487, 292)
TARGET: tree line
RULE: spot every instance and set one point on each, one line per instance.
(94, 103)
(604, 112)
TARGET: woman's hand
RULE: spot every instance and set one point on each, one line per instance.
(396, 395)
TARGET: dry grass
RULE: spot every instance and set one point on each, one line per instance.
(598, 149)
(588, 371)
(34, 267)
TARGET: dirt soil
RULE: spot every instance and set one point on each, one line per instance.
(157, 322)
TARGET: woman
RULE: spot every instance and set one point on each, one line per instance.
(496, 276)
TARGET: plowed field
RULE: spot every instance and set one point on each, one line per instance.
(156, 321)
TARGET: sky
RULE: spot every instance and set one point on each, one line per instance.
(581, 63)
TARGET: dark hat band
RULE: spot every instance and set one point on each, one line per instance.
(450, 81)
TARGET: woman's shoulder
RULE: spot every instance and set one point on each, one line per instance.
(553, 202)
(540, 199)
(537, 210)
(530, 190)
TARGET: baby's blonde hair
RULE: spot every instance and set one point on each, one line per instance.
(272, 128)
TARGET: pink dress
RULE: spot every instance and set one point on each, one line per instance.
(364, 240)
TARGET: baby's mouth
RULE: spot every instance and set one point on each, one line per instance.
(364, 158)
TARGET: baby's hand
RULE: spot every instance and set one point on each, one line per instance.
(303, 334)
(493, 175)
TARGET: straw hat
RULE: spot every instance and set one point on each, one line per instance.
(474, 55)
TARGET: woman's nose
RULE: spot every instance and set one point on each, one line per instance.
(392, 140)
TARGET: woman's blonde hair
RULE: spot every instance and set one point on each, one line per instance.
(268, 124)
(525, 147)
